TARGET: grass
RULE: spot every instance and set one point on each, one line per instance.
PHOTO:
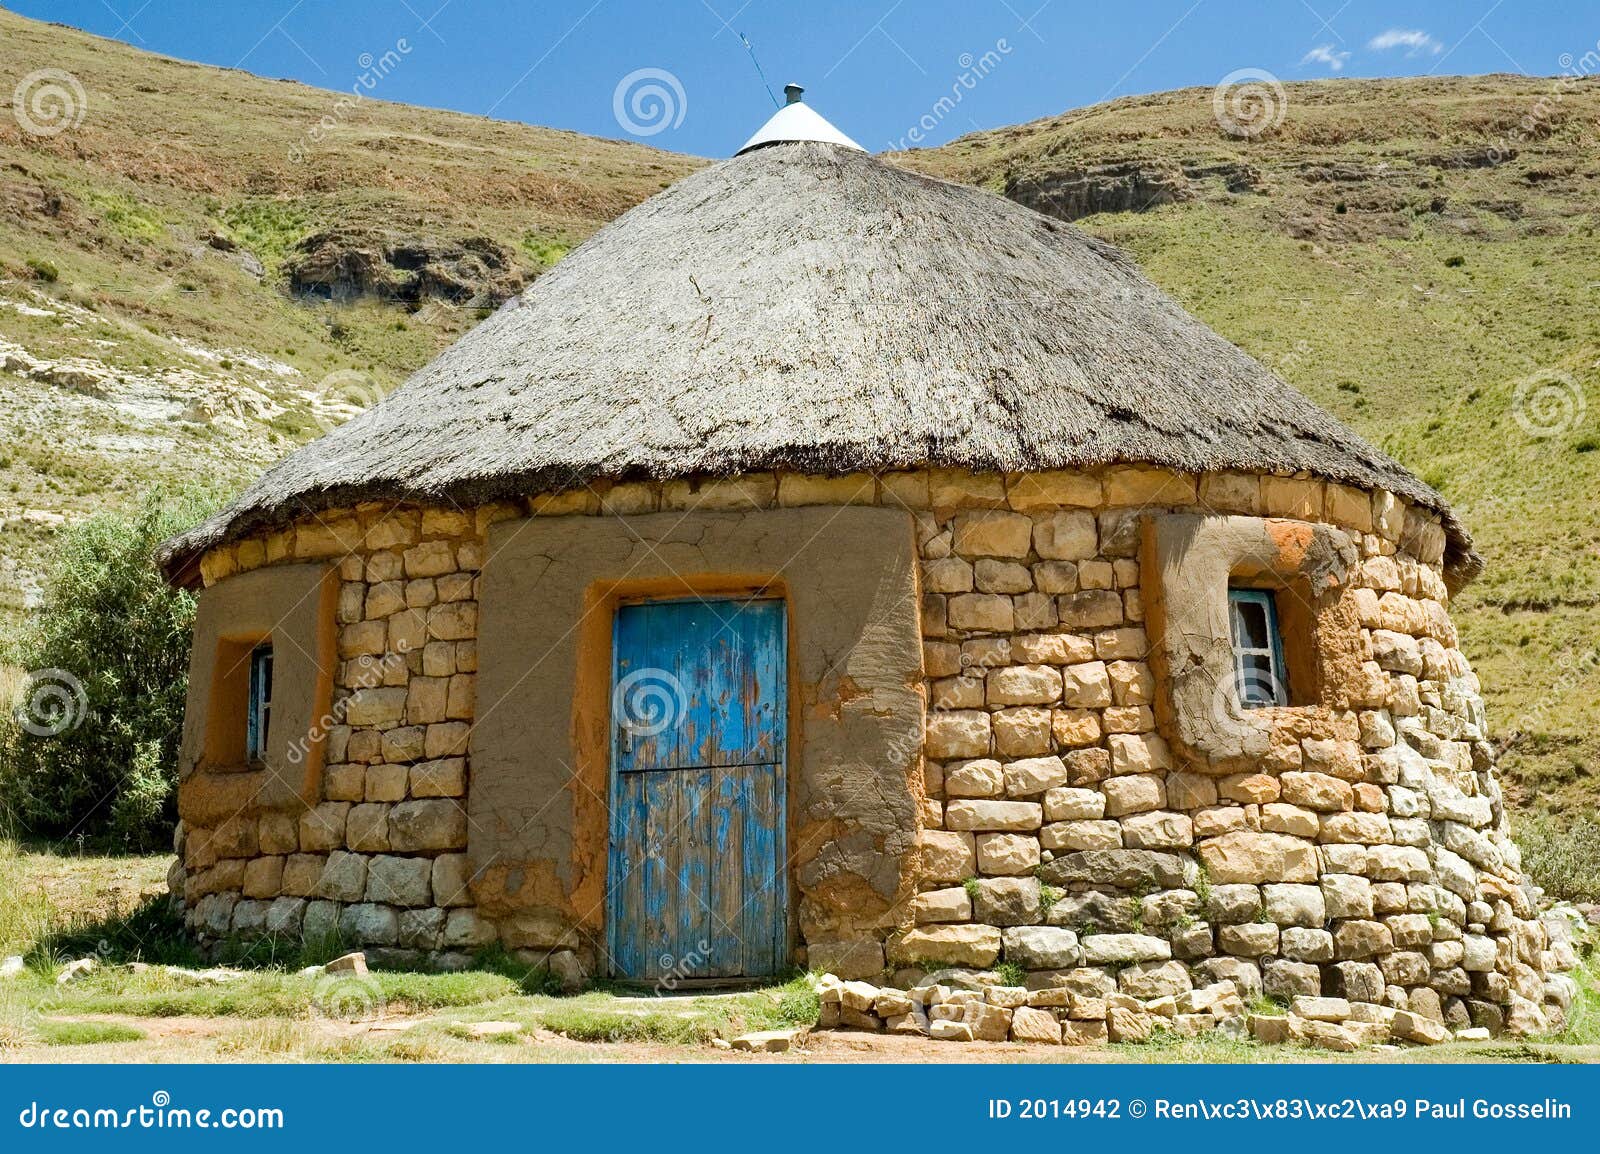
(86, 1033)
(1565, 860)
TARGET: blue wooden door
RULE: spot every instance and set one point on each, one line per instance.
(698, 709)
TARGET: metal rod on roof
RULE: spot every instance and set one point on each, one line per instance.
(750, 49)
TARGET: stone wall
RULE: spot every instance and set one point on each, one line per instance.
(1368, 857)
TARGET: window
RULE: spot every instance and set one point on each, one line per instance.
(260, 706)
(1260, 677)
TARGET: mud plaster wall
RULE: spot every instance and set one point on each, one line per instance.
(1188, 562)
(292, 607)
(540, 751)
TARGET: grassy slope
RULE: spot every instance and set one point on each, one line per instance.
(1412, 315)
(121, 207)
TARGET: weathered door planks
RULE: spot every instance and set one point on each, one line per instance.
(697, 884)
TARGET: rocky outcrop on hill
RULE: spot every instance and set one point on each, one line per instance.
(345, 264)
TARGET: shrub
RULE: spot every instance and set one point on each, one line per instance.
(89, 749)
(1565, 860)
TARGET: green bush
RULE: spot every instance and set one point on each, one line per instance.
(1564, 859)
(89, 748)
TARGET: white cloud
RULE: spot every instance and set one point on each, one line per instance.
(1414, 40)
(1326, 54)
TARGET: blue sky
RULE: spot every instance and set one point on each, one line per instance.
(877, 68)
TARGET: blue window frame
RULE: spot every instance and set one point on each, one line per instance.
(259, 717)
(1260, 677)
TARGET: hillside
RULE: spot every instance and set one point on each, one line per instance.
(190, 285)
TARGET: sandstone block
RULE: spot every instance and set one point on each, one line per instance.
(949, 945)
(979, 778)
(1023, 685)
(1007, 901)
(1157, 830)
(1081, 835)
(970, 814)
(1294, 905)
(1037, 1026)
(1258, 857)
(1006, 853)
(1134, 794)
(1249, 939)
(399, 881)
(427, 825)
(945, 856)
(957, 734)
(952, 904)
(1086, 685)
(1124, 949)
(1072, 804)
(1029, 777)
(992, 533)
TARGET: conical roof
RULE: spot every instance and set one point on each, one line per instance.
(797, 121)
(807, 306)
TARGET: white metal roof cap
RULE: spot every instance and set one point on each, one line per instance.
(796, 121)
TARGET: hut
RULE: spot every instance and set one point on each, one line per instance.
(828, 565)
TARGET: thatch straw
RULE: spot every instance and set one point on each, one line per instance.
(812, 308)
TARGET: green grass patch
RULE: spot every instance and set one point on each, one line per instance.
(86, 1033)
(1564, 859)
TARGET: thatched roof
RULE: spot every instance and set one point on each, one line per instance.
(809, 307)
